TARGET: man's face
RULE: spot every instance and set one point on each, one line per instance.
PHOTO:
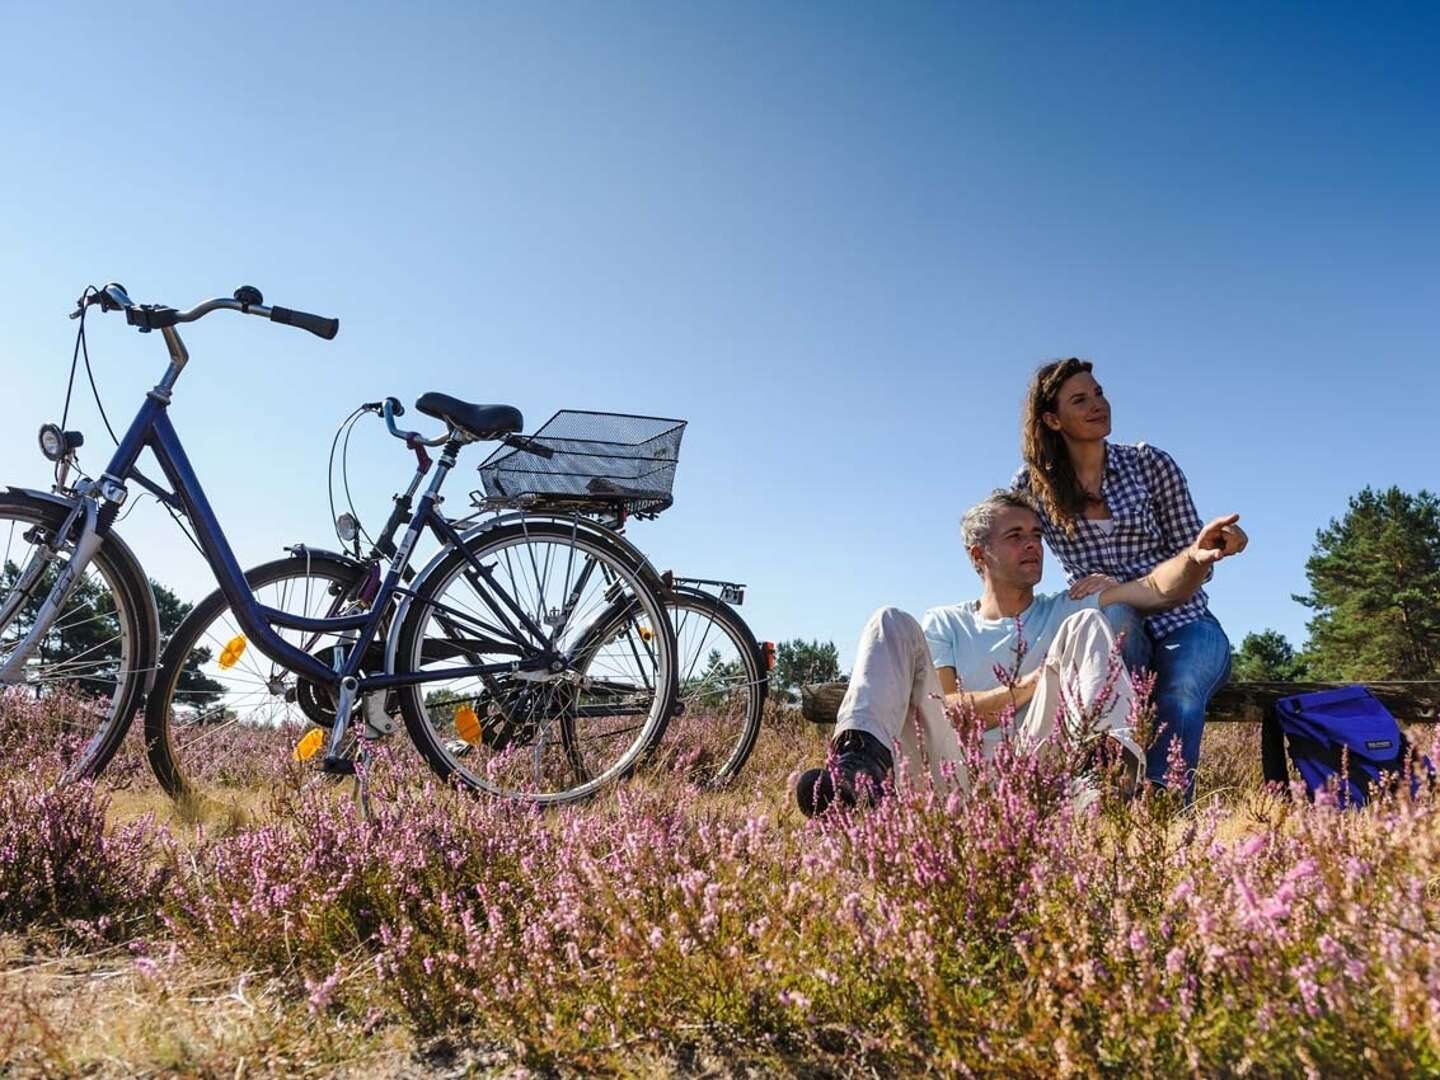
(1015, 555)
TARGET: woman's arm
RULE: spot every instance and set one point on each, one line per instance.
(1176, 579)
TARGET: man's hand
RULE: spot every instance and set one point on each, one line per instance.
(1024, 688)
(1090, 584)
(1218, 540)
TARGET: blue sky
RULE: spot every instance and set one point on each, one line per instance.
(835, 238)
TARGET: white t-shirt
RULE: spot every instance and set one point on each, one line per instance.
(973, 646)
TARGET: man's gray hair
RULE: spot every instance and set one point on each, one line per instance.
(975, 526)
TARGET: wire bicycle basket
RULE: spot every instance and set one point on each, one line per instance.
(600, 460)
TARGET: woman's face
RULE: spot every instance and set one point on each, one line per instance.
(1081, 411)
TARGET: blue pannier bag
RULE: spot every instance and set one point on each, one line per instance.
(1325, 728)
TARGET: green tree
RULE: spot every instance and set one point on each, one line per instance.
(1375, 590)
(716, 683)
(799, 662)
(83, 645)
(1267, 657)
(197, 689)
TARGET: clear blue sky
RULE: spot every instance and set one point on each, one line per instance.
(835, 238)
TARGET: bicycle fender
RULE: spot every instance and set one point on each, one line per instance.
(302, 550)
(150, 618)
(584, 525)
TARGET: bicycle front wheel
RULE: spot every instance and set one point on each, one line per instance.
(553, 735)
(75, 696)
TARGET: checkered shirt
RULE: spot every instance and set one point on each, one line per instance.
(1154, 519)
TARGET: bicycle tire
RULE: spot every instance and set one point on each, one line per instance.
(434, 733)
(167, 757)
(133, 602)
(682, 603)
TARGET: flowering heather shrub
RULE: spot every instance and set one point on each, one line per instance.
(1000, 933)
(1004, 933)
(59, 861)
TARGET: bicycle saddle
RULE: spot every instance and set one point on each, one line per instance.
(478, 421)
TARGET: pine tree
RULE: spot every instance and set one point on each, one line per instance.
(1266, 657)
(1375, 589)
(799, 662)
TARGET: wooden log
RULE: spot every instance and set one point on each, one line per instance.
(1237, 702)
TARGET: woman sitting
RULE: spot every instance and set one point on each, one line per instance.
(1113, 512)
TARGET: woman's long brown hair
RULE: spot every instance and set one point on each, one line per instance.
(1052, 475)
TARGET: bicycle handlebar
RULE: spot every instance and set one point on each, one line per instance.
(392, 408)
(246, 300)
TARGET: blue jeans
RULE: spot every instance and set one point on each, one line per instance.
(1190, 664)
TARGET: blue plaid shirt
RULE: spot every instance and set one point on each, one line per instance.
(1153, 516)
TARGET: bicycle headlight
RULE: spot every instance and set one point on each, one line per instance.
(53, 443)
(347, 527)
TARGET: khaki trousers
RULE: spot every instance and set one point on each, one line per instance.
(894, 693)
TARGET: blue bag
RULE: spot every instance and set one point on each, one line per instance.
(1325, 728)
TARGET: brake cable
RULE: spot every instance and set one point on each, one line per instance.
(82, 348)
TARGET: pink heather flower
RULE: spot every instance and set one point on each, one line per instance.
(322, 992)
(1303, 869)
(1252, 847)
(1175, 961)
(1275, 908)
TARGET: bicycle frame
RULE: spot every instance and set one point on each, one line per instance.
(151, 429)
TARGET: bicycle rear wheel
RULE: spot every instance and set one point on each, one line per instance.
(550, 736)
(78, 692)
(722, 686)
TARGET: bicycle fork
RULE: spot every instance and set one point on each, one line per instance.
(86, 545)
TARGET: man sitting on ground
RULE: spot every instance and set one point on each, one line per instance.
(905, 675)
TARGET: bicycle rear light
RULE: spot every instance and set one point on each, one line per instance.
(768, 648)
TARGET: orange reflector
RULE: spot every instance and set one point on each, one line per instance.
(309, 745)
(230, 655)
(768, 648)
(467, 725)
(645, 633)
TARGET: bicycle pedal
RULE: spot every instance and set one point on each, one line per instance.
(337, 766)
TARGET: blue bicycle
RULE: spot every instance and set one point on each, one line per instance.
(528, 659)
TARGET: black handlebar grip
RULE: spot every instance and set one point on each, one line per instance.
(316, 324)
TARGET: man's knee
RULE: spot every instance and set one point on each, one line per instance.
(1128, 626)
(1088, 623)
(891, 620)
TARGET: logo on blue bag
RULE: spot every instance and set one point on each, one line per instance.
(1378, 744)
